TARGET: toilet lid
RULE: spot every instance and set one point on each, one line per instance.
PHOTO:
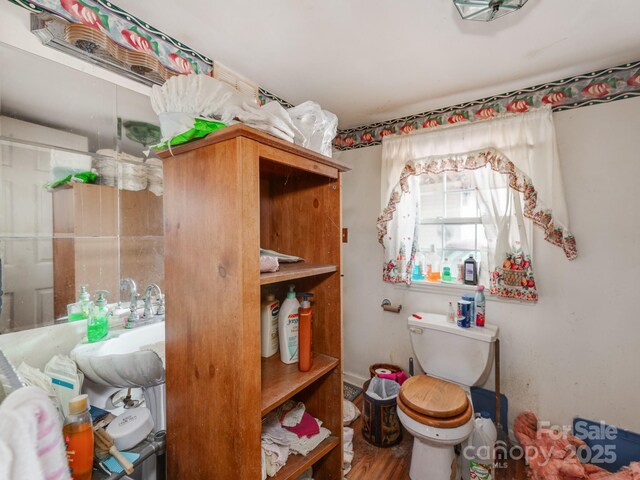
(452, 422)
(433, 397)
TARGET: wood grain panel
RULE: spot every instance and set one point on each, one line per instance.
(213, 350)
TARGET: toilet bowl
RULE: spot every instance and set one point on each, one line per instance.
(436, 408)
(439, 415)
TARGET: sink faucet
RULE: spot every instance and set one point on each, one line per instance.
(133, 317)
(148, 313)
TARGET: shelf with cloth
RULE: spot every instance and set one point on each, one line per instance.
(299, 463)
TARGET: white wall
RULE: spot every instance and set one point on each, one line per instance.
(577, 351)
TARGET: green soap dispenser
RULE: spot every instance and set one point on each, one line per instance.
(98, 323)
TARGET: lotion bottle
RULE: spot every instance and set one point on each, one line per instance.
(269, 326)
(288, 327)
(304, 333)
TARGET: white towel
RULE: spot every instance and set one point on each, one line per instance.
(31, 442)
(292, 413)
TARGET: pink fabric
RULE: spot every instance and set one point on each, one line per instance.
(31, 443)
(399, 377)
(307, 427)
(552, 458)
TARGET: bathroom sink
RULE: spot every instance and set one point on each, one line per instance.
(127, 358)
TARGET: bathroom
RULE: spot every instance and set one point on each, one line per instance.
(564, 356)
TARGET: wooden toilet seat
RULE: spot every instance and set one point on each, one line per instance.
(434, 402)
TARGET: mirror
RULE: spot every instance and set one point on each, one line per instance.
(55, 121)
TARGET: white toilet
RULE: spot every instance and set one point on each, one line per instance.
(436, 408)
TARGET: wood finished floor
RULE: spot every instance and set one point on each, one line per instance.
(372, 463)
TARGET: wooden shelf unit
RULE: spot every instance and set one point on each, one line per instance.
(225, 197)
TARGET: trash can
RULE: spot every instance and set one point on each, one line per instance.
(380, 422)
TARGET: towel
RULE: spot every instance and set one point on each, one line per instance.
(399, 377)
(31, 442)
(308, 427)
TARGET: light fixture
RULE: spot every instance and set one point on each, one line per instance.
(486, 10)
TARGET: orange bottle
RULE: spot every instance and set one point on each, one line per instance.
(78, 437)
(304, 333)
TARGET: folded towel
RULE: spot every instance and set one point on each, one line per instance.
(291, 413)
(307, 427)
(31, 442)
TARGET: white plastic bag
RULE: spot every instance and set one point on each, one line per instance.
(318, 126)
(382, 389)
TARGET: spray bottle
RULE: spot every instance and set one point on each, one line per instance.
(304, 333)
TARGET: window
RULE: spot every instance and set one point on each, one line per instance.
(450, 219)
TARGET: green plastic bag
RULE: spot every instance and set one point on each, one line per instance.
(81, 177)
(201, 128)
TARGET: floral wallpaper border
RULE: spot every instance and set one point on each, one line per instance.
(134, 34)
(602, 86)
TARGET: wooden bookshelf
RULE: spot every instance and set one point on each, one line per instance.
(291, 271)
(296, 464)
(281, 381)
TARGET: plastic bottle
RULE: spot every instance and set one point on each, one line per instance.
(78, 438)
(81, 309)
(433, 265)
(269, 311)
(446, 271)
(451, 314)
(478, 452)
(288, 327)
(479, 302)
(98, 323)
(470, 271)
(460, 272)
(419, 267)
(304, 333)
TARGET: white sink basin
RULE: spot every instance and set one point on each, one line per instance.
(127, 358)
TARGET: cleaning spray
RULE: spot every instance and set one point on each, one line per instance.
(288, 327)
(304, 333)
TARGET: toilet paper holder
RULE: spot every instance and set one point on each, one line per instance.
(388, 307)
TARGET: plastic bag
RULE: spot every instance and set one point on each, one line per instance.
(318, 126)
(180, 128)
(382, 389)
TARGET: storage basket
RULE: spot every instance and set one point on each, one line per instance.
(512, 278)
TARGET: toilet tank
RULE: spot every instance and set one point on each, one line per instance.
(444, 350)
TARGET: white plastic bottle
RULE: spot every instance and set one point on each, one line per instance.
(288, 327)
(478, 452)
(269, 311)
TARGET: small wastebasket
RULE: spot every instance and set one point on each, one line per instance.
(380, 422)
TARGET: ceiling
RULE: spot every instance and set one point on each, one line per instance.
(373, 60)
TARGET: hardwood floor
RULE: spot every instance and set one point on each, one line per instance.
(372, 463)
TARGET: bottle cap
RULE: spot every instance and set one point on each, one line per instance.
(291, 293)
(84, 294)
(305, 300)
(480, 288)
(79, 404)
(271, 297)
(101, 301)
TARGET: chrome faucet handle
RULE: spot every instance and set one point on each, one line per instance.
(148, 312)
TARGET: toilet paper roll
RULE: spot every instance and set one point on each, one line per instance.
(382, 370)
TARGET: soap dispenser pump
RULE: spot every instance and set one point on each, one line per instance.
(304, 333)
(98, 323)
(82, 308)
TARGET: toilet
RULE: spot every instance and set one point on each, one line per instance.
(436, 408)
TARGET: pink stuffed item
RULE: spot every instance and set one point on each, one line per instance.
(551, 456)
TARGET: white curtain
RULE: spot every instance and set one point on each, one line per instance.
(527, 140)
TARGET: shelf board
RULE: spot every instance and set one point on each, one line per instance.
(296, 464)
(281, 381)
(291, 271)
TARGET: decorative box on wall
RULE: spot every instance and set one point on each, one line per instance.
(226, 196)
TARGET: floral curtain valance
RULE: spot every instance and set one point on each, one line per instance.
(527, 140)
(511, 269)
